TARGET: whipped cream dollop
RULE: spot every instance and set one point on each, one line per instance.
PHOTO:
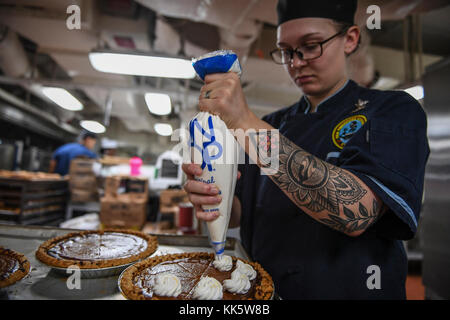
(239, 282)
(167, 285)
(246, 269)
(208, 288)
(223, 263)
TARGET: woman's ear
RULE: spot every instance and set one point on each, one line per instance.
(352, 40)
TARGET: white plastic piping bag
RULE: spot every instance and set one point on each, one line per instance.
(215, 149)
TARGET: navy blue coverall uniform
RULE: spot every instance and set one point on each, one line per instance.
(381, 137)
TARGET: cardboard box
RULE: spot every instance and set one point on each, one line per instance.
(116, 185)
(77, 195)
(136, 185)
(168, 209)
(124, 211)
(113, 160)
(111, 186)
(83, 181)
(171, 197)
(81, 165)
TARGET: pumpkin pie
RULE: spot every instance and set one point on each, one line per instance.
(97, 249)
(13, 267)
(188, 271)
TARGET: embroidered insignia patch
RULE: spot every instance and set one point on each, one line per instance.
(345, 130)
(361, 104)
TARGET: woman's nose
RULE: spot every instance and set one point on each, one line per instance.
(296, 62)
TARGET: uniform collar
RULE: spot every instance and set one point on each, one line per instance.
(329, 102)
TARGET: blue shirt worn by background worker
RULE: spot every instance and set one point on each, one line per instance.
(64, 155)
(380, 136)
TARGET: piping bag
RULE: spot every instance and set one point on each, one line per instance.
(213, 146)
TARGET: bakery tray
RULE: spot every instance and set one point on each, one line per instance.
(44, 282)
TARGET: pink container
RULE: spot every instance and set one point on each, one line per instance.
(135, 166)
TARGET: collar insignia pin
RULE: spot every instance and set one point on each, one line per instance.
(360, 105)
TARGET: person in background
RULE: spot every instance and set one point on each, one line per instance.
(62, 157)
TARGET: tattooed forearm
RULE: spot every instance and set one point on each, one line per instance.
(353, 221)
(329, 194)
(313, 183)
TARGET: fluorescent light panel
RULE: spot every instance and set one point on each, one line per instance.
(158, 103)
(63, 98)
(163, 129)
(92, 126)
(142, 65)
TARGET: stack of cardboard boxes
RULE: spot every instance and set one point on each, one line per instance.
(169, 201)
(83, 181)
(124, 204)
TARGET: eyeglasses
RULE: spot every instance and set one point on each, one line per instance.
(305, 52)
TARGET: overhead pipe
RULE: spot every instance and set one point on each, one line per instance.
(13, 59)
(18, 103)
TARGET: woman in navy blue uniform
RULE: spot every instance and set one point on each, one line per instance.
(329, 223)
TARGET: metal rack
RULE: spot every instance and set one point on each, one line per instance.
(33, 202)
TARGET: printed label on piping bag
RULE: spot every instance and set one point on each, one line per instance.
(215, 149)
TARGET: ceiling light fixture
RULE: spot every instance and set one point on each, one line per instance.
(92, 126)
(140, 64)
(62, 98)
(163, 129)
(158, 103)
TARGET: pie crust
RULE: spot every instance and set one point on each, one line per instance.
(21, 269)
(262, 288)
(132, 255)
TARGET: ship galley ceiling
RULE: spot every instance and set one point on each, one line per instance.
(38, 49)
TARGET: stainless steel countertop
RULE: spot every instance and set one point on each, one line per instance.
(43, 282)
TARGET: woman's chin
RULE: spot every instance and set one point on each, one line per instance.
(310, 89)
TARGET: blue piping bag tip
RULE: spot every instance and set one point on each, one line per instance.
(219, 248)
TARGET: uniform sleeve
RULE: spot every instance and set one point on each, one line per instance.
(389, 155)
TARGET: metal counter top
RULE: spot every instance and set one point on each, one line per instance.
(44, 283)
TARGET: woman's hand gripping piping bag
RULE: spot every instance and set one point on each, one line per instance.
(215, 149)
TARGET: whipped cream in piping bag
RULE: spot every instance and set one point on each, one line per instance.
(215, 149)
(208, 288)
(167, 285)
